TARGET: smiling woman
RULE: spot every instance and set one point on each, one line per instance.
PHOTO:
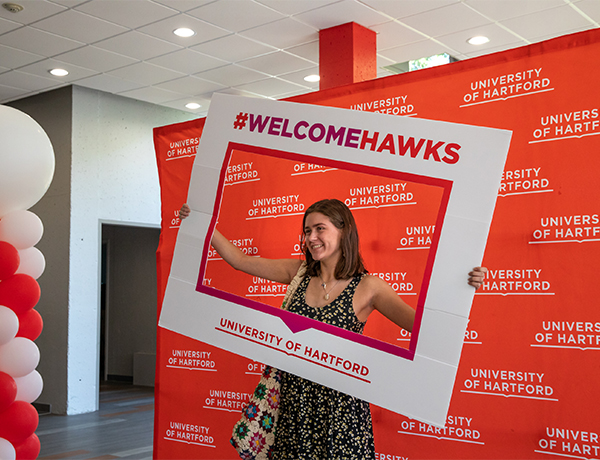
(316, 421)
(331, 249)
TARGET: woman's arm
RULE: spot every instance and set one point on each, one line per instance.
(385, 300)
(278, 270)
(381, 297)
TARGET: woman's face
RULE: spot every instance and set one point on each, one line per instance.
(322, 237)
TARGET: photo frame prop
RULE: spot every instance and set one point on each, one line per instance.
(463, 162)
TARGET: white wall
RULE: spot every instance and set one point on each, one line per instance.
(113, 177)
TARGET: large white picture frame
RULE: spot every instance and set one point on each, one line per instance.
(467, 161)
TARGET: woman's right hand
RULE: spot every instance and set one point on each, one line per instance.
(184, 211)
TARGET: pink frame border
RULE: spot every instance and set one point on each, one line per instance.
(295, 322)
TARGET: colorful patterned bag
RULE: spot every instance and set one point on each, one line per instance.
(254, 434)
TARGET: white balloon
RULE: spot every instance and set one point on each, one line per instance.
(9, 325)
(29, 387)
(26, 161)
(19, 357)
(22, 229)
(7, 451)
(32, 263)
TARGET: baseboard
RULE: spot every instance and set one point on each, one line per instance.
(42, 408)
(119, 378)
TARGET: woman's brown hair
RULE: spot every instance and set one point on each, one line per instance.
(350, 263)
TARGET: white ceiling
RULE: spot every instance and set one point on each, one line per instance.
(261, 48)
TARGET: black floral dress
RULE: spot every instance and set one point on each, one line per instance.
(317, 422)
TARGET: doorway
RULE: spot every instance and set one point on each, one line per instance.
(128, 300)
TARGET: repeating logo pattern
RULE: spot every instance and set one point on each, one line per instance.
(528, 374)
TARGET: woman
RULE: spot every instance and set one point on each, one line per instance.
(317, 422)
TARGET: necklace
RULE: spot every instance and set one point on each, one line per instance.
(324, 285)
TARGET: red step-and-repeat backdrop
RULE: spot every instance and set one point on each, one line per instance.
(527, 380)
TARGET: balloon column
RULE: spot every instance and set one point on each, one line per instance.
(26, 170)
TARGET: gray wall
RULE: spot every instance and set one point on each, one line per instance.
(53, 111)
(105, 172)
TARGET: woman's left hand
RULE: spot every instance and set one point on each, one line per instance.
(477, 276)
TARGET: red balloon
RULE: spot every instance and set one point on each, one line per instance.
(18, 422)
(9, 260)
(30, 325)
(28, 449)
(20, 293)
(8, 391)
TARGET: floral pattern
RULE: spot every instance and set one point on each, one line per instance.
(240, 430)
(316, 422)
(251, 411)
(260, 391)
(273, 398)
(247, 455)
(253, 436)
(267, 422)
(257, 441)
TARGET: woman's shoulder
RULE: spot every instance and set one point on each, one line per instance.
(369, 289)
(372, 282)
(295, 266)
(369, 278)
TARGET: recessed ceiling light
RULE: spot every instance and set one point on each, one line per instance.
(12, 7)
(478, 40)
(59, 72)
(184, 32)
(312, 78)
(193, 105)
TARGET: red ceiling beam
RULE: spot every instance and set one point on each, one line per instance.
(347, 54)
